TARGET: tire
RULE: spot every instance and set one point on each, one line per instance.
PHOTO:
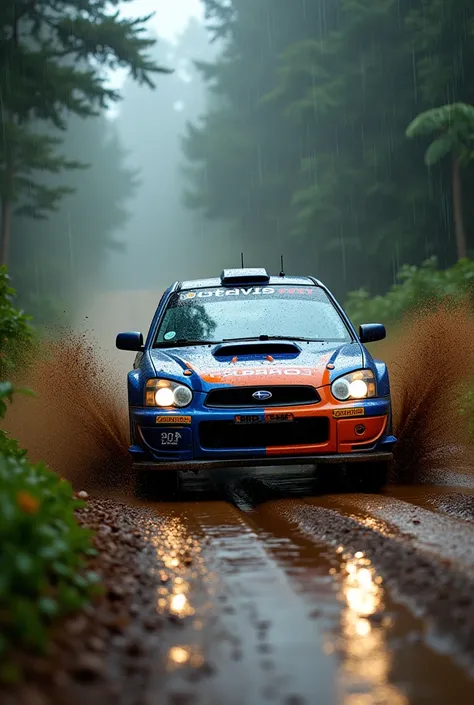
(156, 485)
(371, 477)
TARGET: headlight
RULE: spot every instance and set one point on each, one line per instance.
(166, 393)
(355, 385)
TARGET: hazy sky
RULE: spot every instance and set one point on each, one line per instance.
(171, 16)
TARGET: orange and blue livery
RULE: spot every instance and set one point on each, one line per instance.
(248, 369)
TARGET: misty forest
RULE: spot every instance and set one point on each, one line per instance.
(336, 133)
(339, 136)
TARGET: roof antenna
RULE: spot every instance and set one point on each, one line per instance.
(282, 271)
(242, 259)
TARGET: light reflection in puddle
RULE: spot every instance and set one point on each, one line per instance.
(177, 550)
(366, 658)
(184, 656)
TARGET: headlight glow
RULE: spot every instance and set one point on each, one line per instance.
(165, 393)
(358, 389)
(164, 397)
(355, 385)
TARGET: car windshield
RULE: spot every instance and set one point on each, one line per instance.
(218, 314)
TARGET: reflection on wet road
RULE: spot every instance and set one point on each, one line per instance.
(283, 596)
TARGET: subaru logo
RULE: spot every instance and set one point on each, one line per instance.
(262, 395)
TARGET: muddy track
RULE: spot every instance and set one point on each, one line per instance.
(255, 588)
(342, 598)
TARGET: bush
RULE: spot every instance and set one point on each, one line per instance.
(16, 334)
(43, 550)
(42, 557)
(417, 286)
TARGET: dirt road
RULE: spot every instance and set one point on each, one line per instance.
(252, 587)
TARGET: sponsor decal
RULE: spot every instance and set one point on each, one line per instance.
(249, 418)
(347, 413)
(269, 371)
(245, 292)
(171, 439)
(173, 420)
(293, 291)
(267, 418)
(279, 418)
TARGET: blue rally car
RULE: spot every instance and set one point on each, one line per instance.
(249, 370)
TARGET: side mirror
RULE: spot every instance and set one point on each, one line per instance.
(371, 332)
(129, 341)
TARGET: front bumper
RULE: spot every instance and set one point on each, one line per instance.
(197, 465)
(199, 437)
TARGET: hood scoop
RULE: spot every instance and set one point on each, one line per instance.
(256, 348)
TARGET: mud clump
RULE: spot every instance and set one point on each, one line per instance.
(431, 362)
(78, 420)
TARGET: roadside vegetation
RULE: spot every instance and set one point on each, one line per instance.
(43, 550)
(415, 288)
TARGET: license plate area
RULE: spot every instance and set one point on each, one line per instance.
(251, 419)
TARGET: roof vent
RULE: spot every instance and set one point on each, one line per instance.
(234, 277)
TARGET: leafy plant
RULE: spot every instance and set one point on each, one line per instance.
(453, 125)
(43, 549)
(42, 552)
(416, 287)
(16, 334)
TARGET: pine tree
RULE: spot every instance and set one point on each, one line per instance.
(54, 55)
(304, 145)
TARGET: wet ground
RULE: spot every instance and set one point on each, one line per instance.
(270, 591)
(253, 587)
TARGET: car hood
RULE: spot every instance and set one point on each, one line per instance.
(306, 364)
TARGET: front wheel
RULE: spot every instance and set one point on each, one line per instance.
(155, 485)
(371, 477)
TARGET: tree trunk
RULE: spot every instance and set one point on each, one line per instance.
(461, 243)
(5, 231)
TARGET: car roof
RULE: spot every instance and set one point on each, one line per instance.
(273, 281)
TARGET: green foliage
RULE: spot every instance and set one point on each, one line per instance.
(24, 153)
(313, 100)
(56, 57)
(417, 286)
(43, 572)
(16, 334)
(455, 125)
(43, 550)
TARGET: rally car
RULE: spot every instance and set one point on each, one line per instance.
(248, 369)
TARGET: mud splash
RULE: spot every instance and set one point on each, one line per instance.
(78, 423)
(431, 362)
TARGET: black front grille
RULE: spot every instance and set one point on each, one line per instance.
(281, 396)
(227, 434)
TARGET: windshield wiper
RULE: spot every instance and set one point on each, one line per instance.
(182, 342)
(275, 337)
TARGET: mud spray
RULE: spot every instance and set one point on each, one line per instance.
(78, 422)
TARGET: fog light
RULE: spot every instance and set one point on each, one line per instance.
(360, 429)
